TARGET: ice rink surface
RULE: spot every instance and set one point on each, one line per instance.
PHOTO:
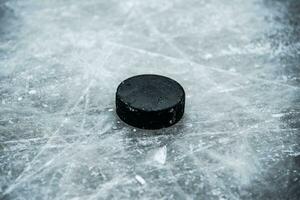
(60, 64)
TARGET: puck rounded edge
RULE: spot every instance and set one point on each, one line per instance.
(134, 94)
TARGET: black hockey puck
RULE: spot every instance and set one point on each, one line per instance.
(150, 101)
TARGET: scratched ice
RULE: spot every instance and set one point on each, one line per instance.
(62, 60)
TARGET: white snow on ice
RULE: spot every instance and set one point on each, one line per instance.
(61, 62)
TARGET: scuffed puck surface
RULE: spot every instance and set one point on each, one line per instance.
(62, 60)
(150, 101)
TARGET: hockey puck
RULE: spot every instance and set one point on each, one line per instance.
(150, 101)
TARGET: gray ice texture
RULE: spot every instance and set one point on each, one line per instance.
(61, 62)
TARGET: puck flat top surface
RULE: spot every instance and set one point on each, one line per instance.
(150, 101)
